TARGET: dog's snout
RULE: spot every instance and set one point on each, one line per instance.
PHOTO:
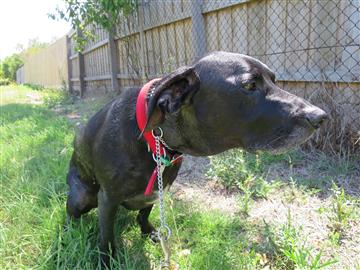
(316, 117)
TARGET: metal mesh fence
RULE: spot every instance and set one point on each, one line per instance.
(313, 47)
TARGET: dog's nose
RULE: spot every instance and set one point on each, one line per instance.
(316, 117)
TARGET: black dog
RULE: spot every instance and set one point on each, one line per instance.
(223, 101)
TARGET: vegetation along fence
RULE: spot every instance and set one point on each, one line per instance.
(313, 47)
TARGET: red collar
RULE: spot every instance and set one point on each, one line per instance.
(141, 114)
(141, 118)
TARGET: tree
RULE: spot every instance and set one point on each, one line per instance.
(88, 14)
(9, 66)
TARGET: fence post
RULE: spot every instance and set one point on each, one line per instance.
(81, 69)
(198, 29)
(113, 58)
(81, 74)
(68, 60)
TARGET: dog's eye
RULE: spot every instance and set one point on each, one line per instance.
(250, 86)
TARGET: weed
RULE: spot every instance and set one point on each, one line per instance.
(290, 250)
(245, 202)
(335, 238)
(244, 171)
(341, 212)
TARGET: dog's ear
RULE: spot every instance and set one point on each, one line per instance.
(170, 94)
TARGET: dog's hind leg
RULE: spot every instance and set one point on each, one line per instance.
(81, 197)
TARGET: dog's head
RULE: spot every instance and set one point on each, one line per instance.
(229, 100)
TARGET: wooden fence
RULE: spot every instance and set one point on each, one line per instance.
(303, 41)
(47, 67)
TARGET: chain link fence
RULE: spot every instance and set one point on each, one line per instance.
(313, 47)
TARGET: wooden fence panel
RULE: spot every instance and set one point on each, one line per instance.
(276, 40)
(239, 30)
(150, 55)
(297, 33)
(48, 67)
(211, 32)
(180, 34)
(172, 52)
(256, 29)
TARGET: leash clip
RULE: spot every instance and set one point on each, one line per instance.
(157, 136)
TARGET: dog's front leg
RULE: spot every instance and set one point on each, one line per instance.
(145, 226)
(107, 206)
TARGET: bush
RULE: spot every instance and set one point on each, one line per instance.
(4, 81)
(9, 66)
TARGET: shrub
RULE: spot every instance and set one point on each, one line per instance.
(4, 81)
(9, 66)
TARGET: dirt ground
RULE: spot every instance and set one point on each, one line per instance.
(193, 185)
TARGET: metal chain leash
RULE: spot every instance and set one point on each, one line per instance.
(160, 168)
(164, 232)
(164, 143)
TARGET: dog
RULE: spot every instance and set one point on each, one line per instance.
(223, 101)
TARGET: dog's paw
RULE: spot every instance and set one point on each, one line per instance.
(154, 237)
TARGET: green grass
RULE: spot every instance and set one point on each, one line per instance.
(36, 145)
(35, 148)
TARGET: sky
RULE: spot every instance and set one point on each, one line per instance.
(21, 20)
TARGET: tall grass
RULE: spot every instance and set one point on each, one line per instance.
(35, 148)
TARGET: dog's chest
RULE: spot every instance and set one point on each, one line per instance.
(141, 201)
